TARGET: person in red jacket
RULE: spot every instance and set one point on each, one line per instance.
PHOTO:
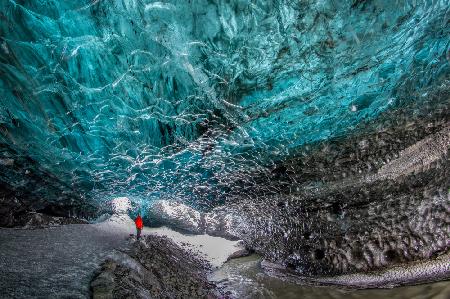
(139, 225)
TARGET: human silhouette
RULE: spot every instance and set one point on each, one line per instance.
(139, 226)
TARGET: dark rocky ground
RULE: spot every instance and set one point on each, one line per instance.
(99, 261)
(19, 213)
(39, 220)
(154, 267)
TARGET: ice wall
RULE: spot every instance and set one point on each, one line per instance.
(196, 100)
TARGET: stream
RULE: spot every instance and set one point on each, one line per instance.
(244, 278)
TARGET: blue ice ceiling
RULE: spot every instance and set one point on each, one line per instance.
(179, 99)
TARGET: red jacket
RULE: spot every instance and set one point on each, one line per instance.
(139, 223)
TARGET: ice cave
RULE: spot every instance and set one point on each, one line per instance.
(273, 148)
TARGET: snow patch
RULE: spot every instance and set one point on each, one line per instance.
(215, 250)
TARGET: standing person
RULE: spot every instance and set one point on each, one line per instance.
(139, 225)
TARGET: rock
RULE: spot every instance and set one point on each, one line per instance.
(102, 285)
(38, 220)
(239, 253)
(11, 210)
(154, 267)
(15, 214)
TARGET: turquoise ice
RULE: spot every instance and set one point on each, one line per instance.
(179, 99)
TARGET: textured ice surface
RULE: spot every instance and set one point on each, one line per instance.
(181, 99)
(322, 126)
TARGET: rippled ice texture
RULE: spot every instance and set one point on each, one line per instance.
(188, 99)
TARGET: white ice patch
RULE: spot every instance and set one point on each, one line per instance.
(5, 48)
(159, 5)
(7, 162)
(177, 213)
(121, 205)
(215, 250)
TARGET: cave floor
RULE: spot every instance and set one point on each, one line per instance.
(53, 262)
(59, 262)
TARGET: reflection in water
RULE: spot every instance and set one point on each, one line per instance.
(243, 278)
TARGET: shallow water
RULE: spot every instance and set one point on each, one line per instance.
(244, 278)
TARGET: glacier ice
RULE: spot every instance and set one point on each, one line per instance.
(177, 99)
(284, 110)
